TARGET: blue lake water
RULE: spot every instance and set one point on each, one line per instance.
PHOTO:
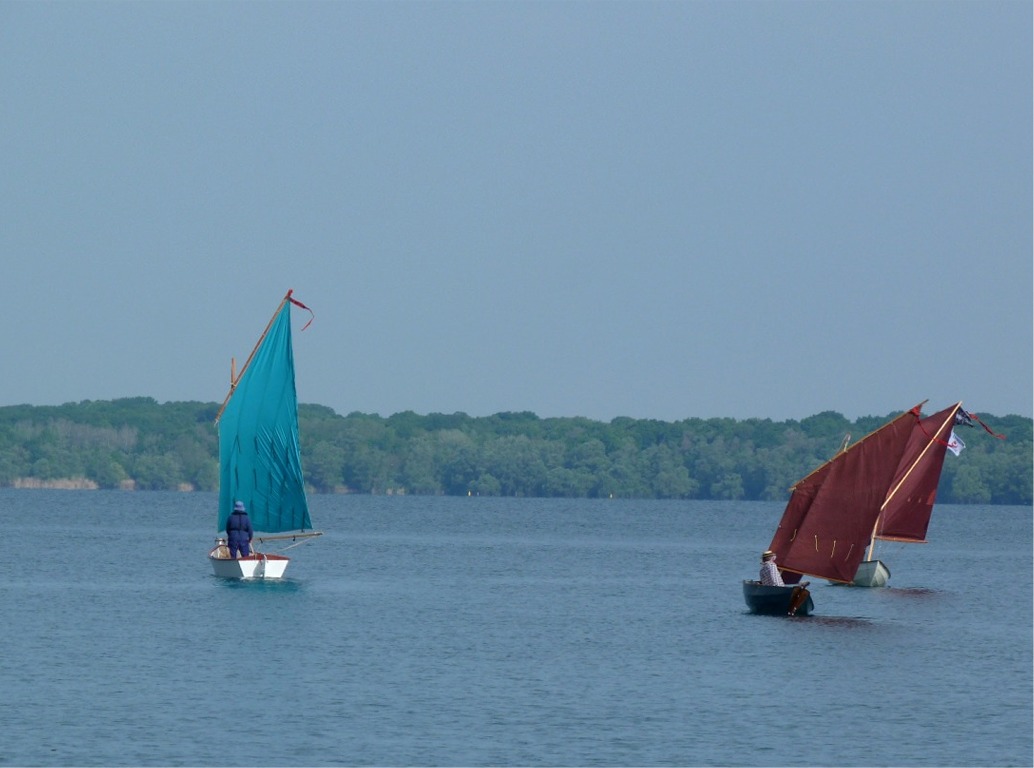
(470, 631)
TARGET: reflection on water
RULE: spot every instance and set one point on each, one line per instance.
(819, 620)
(917, 592)
(850, 622)
(259, 585)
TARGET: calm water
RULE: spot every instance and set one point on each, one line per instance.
(447, 632)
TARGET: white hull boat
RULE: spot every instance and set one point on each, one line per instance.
(260, 466)
(871, 573)
(905, 513)
(257, 565)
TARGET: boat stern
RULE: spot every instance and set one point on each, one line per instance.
(871, 573)
(257, 565)
(777, 601)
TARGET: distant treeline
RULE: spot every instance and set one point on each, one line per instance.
(140, 444)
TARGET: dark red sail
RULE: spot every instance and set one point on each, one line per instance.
(829, 519)
(910, 500)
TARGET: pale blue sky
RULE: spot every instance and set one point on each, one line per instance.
(656, 210)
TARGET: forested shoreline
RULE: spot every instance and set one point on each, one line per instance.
(138, 443)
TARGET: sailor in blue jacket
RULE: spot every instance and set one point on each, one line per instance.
(238, 531)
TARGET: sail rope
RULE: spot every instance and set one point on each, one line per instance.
(966, 419)
(297, 541)
(296, 544)
(986, 428)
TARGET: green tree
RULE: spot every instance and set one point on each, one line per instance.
(970, 486)
(418, 473)
(728, 487)
(570, 483)
(105, 470)
(667, 475)
(510, 453)
(324, 466)
(486, 485)
(157, 472)
(457, 460)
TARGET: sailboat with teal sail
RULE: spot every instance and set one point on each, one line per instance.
(260, 463)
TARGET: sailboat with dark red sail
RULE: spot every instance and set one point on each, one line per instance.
(830, 519)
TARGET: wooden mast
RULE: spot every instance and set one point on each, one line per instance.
(894, 490)
(235, 379)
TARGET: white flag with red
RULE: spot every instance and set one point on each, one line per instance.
(955, 445)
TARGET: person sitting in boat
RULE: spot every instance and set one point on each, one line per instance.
(238, 531)
(770, 575)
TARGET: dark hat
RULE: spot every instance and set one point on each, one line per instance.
(238, 506)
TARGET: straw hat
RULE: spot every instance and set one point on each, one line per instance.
(768, 554)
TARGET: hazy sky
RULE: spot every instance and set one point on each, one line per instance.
(658, 210)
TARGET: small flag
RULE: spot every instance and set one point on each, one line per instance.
(963, 418)
(955, 445)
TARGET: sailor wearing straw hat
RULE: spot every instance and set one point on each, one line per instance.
(770, 575)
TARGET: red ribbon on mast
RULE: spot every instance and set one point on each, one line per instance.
(919, 419)
(293, 300)
(986, 428)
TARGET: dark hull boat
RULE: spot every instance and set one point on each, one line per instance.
(881, 488)
(777, 601)
(829, 519)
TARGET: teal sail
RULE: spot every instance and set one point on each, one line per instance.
(259, 458)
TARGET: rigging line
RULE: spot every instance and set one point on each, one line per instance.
(932, 438)
(981, 423)
(297, 544)
(236, 380)
(986, 428)
(302, 540)
(877, 524)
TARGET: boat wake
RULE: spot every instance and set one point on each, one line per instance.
(911, 592)
(270, 585)
(846, 622)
